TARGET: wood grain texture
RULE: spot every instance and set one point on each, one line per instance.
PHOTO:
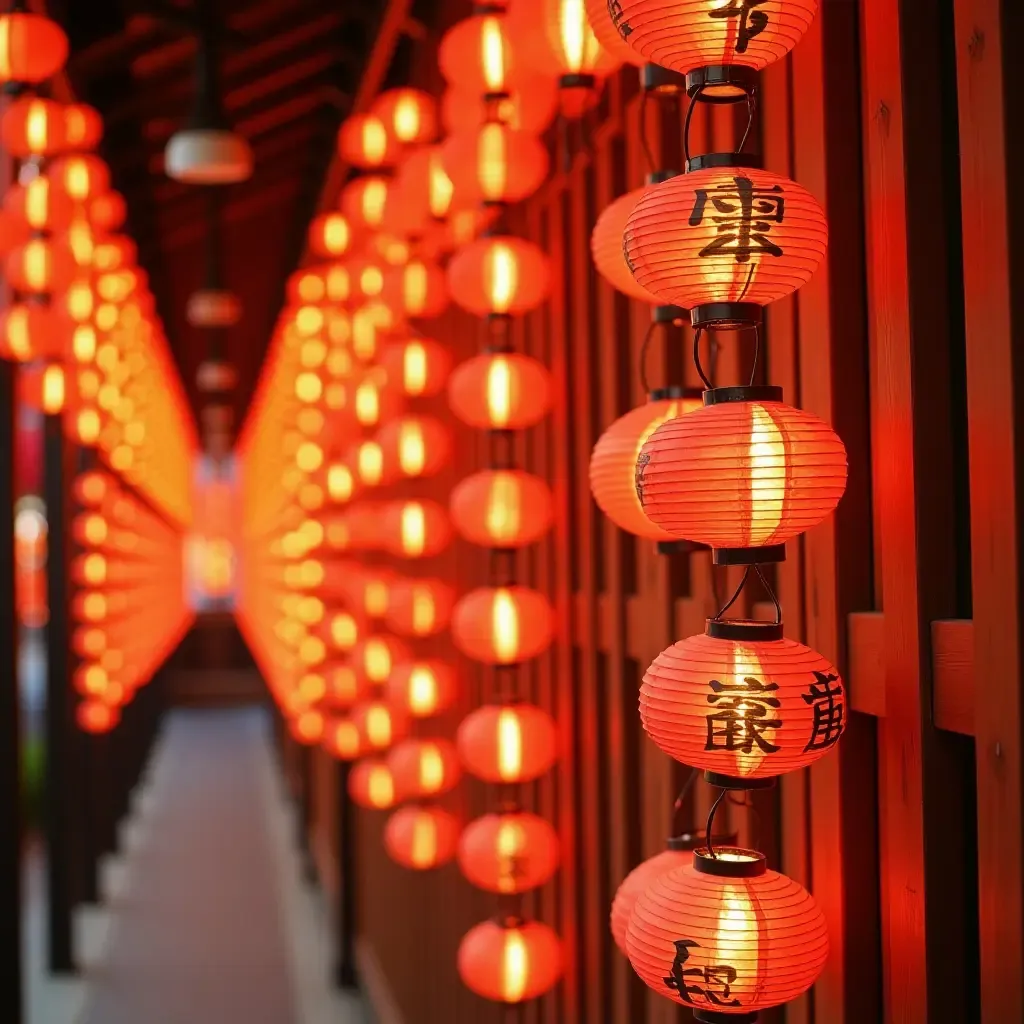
(953, 675)
(865, 680)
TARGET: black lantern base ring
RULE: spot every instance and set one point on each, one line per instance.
(669, 315)
(721, 83)
(680, 547)
(655, 78)
(727, 316)
(730, 782)
(744, 630)
(769, 554)
(714, 1017)
(577, 81)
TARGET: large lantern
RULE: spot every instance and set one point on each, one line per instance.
(415, 528)
(510, 962)
(32, 126)
(507, 743)
(503, 625)
(424, 768)
(420, 366)
(32, 47)
(475, 56)
(606, 247)
(502, 508)
(419, 608)
(746, 471)
(364, 142)
(421, 838)
(500, 274)
(409, 115)
(723, 240)
(741, 702)
(370, 785)
(509, 853)
(495, 164)
(500, 391)
(600, 19)
(727, 937)
(422, 688)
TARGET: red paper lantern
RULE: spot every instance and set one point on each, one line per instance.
(509, 853)
(495, 164)
(107, 212)
(685, 35)
(372, 399)
(725, 235)
(40, 265)
(32, 126)
(330, 234)
(367, 588)
(364, 142)
(345, 687)
(423, 189)
(82, 177)
(424, 768)
(414, 447)
(342, 739)
(366, 277)
(364, 200)
(510, 963)
(409, 115)
(30, 332)
(503, 625)
(507, 743)
(613, 464)
(475, 56)
(83, 126)
(307, 727)
(746, 472)
(32, 47)
(500, 391)
(419, 608)
(741, 702)
(636, 883)
(502, 508)
(14, 232)
(606, 247)
(376, 656)
(380, 725)
(421, 838)
(96, 716)
(600, 19)
(417, 289)
(422, 688)
(500, 274)
(530, 107)
(727, 917)
(414, 528)
(420, 366)
(370, 785)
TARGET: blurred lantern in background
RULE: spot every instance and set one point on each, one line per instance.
(510, 963)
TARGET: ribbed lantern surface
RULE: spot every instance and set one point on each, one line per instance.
(509, 853)
(500, 391)
(606, 247)
(503, 625)
(507, 743)
(607, 34)
(635, 884)
(502, 508)
(510, 963)
(421, 838)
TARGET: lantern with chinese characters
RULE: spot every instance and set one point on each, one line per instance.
(414, 447)
(421, 838)
(510, 961)
(507, 743)
(724, 240)
(416, 289)
(742, 703)
(380, 726)
(502, 508)
(415, 528)
(422, 688)
(500, 275)
(606, 247)
(370, 785)
(424, 768)
(408, 115)
(727, 919)
(364, 142)
(509, 853)
(744, 472)
(495, 164)
(419, 607)
(600, 18)
(420, 366)
(503, 625)
(32, 47)
(500, 391)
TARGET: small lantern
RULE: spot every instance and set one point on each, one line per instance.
(495, 164)
(375, 657)
(330, 234)
(107, 212)
(83, 176)
(409, 115)
(422, 688)
(83, 126)
(503, 625)
(364, 201)
(341, 739)
(421, 838)
(419, 607)
(96, 716)
(530, 107)
(370, 785)
(500, 274)
(30, 332)
(507, 743)
(414, 447)
(420, 366)
(363, 142)
(424, 768)
(415, 528)
(510, 962)
(419, 288)
(42, 206)
(380, 726)
(32, 47)
(509, 853)
(32, 126)
(500, 391)
(504, 508)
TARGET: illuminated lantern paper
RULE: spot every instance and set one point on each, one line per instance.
(307, 727)
(495, 164)
(345, 687)
(414, 528)
(330, 234)
(421, 838)
(500, 391)
(503, 508)
(40, 265)
(419, 288)
(364, 200)
(724, 241)
(606, 247)
(510, 963)
(370, 785)
(727, 916)
(409, 115)
(32, 126)
(414, 447)
(422, 688)
(32, 47)
(475, 56)
(530, 107)
(376, 656)
(424, 768)
(419, 608)
(741, 702)
(108, 211)
(364, 142)
(500, 274)
(600, 19)
(509, 853)
(341, 739)
(380, 726)
(83, 176)
(424, 191)
(507, 743)
(503, 625)
(420, 366)
(96, 716)
(744, 471)
(83, 126)
(29, 331)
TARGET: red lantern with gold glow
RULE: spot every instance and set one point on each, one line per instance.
(380, 725)
(677, 249)
(83, 126)
(330, 234)
(341, 739)
(415, 528)
(42, 206)
(499, 274)
(373, 399)
(782, 703)
(613, 464)
(734, 914)
(500, 391)
(367, 588)
(420, 607)
(530, 107)
(509, 853)
(82, 176)
(744, 471)
(507, 743)
(503, 625)
(364, 200)
(510, 962)
(40, 265)
(409, 115)
(96, 716)
(475, 56)
(307, 727)
(32, 126)
(14, 232)
(419, 288)
(424, 769)
(32, 47)
(107, 212)
(29, 331)
(420, 366)
(422, 688)
(377, 655)
(423, 191)
(414, 447)
(345, 687)
(502, 508)
(685, 35)
(495, 164)
(364, 142)
(608, 35)
(606, 247)
(370, 785)
(421, 838)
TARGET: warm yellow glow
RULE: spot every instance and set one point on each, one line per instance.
(375, 196)
(381, 787)
(312, 651)
(578, 41)
(310, 609)
(309, 421)
(492, 54)
(368, 403)
(309, 320)
(37, 202)
(406, 118)
(414, 368)
(53, 389)
(19, 333)
(337, 281)
(78, 300)
(88, 426)
(375, 598)
(511, 846)
(94, 529)
(503, 276)
(311, 497)
(510, 746)
(94, 608)
(424, 841)
(441, 187)
(414, 529)
(308, 387)
(309, 457)
(37, 126)
(422, 691)
(767, 476)
(374, 140)
(424, 613)
(336, 234)
(515, 966)
(412, 453)
(77, 179)
(492, 161)
(344, 631)
(94, 569)
(370, 463)
(499, 391)
(414, 287)
(312, 353)
(377, 660)
(312, 687)
(36, 264)
(378, 726)
(504, 508)
(431, 768)
(340, 482)
(83, 344)
(746, 665)
(371, 280)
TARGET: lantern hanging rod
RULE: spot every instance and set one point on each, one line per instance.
(692, 164)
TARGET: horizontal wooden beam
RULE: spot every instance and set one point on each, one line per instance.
(866, 680)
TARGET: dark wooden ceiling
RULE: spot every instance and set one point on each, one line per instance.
(290, 70)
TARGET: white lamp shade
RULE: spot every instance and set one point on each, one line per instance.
(215, 375)
(208, 156)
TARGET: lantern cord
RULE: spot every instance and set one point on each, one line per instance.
(694, 99)
(736, 594)
(751, 110)
(709, 831)
(644, 346)
(683, 794)
(757, 353)
(698, 333)
(771, 593)
(645, 141)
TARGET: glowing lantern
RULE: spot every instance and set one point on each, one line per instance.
(679, 248)
(422, 688)
(367, 278)
(777, 471)
(419, 365)
(424, 768)
(606, 247)
(414, 447)
(363, 142)
(341, 739)
(364, 200)
(409, 115)
(32, 47)
(500, 391)
(530, 107)
(307, 727)
(475, 56)
(373, 401)
(727, 913)
(29, 332)
(107, 212)
(741, 702)
(31, 126)
(503, 625)
(82, 177)
(96, 716)
(503, 508)
(414, 528)
(613, 464)
(509, 853)
(83, 126)
(507, 743)
(376, 656)
(380, 725)
(40, 266)
(510, 963)
(370, 785)
(500, 274)
(421, 838)
(419, 608)
(495, 164)
(14, 232)
(345, 687)
(600, 19)
(330, 234)
(417, 289)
